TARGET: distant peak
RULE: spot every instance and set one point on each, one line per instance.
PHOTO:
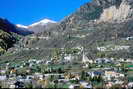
(43, 22)
(47, 21)
(21, 26)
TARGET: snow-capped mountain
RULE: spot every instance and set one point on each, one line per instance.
(38, 26)
(41, 25)
(22, 26)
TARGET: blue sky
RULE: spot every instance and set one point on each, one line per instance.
(27, 12)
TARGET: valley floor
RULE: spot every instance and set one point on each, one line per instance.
(101, 73)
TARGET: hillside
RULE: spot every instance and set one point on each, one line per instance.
(7, 26)
(102, 27)
(6, 41)
(8, 37)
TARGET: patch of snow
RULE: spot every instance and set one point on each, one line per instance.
(42, 22)
(21, 26)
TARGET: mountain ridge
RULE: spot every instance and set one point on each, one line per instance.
(39, 26)
(42, 22)
(85, 28)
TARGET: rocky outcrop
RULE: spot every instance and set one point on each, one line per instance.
(113, 13)
(101, 11)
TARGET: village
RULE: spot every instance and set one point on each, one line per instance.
(64, 72)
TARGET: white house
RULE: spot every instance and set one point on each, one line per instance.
(3, 77)
(2, 71)
(48, 62)
(72, 86)
(39, 75)
(129, 38)
(85, 84)
(68, 58)
(110, 74)
(130, 84)
(12, 86)
(85, 59)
